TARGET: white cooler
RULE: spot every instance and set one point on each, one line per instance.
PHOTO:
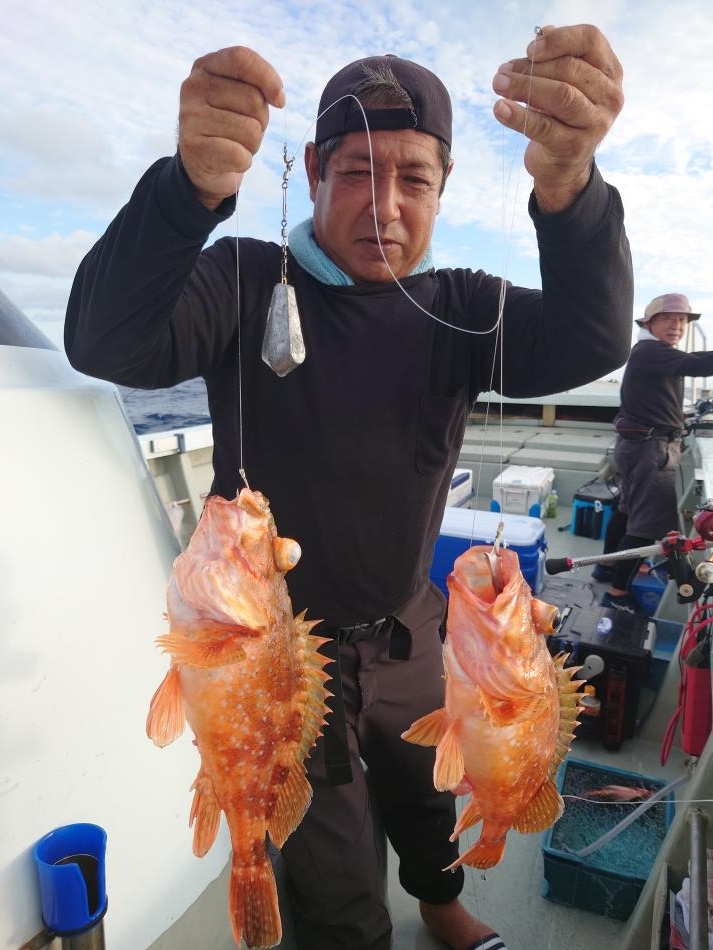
(461, 487)
(522, 490)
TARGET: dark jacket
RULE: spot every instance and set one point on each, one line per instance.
(356, 447)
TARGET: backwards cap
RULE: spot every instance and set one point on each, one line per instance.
(431, 111)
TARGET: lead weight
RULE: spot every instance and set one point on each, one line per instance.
(283, 347)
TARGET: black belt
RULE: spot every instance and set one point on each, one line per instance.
(336, 747)
(641, 435)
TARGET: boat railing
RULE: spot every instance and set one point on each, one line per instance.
(693, 332)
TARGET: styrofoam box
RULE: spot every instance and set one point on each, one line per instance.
(526, 536)
(522, 489)
(461, 486)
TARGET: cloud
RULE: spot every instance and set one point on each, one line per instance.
(90, 99)
(56, 255)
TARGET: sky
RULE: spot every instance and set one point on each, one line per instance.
(90, 99)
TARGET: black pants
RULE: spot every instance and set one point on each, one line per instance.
(332, 859)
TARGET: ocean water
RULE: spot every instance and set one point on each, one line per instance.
(153, 410)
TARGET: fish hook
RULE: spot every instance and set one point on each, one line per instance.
(493, 558)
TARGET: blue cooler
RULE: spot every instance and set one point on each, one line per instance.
(524, 535)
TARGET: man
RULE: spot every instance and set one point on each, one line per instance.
(649, 428)
(355, 448)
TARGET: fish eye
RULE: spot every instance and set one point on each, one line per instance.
(287, 553)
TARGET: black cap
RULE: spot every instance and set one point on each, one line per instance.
(431, 111)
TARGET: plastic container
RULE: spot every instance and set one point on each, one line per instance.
(522, 490)
(525, 536)
(461, 487)
(648, 587)
(551, 505)
(608, 881)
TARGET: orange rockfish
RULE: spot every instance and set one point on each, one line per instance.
(510, 708)
(247, 676)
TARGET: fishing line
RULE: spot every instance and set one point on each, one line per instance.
(241, 469)
(642, 801)
(507, 246)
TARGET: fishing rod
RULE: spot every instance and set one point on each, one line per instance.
(675, 547)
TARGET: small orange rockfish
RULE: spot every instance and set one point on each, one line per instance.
(247, 676)
(510, 708)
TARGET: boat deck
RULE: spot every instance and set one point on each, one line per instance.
(508, 897)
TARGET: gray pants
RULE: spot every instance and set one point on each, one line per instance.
(648, 470)
(332, 859)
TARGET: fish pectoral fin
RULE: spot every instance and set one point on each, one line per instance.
(205, 812)
(205, 654)
(542, 811)
(450, 767)
(428, 730)
(290, 806)
(486, 852)
(468, 817)
(166, 719)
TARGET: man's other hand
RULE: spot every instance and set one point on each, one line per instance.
(574, 93)
(222, 119)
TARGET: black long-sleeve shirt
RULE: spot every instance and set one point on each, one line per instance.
(652, 387)
(356, 447)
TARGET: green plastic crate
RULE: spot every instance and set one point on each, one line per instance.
(607, 882)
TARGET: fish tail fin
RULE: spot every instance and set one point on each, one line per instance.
(252, 900)
(166, 719)
(486, 852)
(542, 811)
(428, 730)
(205, 812)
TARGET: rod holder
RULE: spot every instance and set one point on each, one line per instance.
(699, 880)
(70, 864)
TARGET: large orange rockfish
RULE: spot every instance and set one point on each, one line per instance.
(248, 677)
(510, 708)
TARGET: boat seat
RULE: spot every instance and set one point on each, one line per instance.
(558, 459)
(563, 440)
(490, 435)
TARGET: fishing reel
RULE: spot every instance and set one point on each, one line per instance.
(703, 523)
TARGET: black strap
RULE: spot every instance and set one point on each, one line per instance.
(336, 745)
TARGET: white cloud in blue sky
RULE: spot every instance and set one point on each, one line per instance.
(90, 97)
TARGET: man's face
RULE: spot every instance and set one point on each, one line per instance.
(407, 181)
(668, 327)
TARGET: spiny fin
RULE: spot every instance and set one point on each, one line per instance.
(205, 812)
(166, 719)
(569, 699)
(484, 853)
(468, 817)
(315, 707)
(205, 654)
(291, 805)
(542, 811)
(450, 767)
(428, 730)
(252, 900)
